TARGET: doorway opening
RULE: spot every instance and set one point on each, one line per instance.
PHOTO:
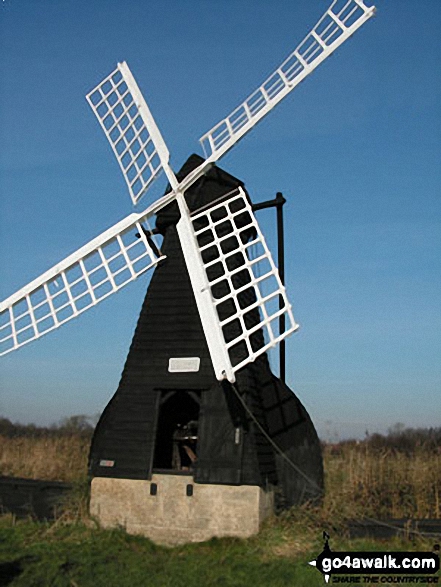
(177, 431)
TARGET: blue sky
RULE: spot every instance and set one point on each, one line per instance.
(356, 149)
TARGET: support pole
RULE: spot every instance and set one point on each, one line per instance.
(278, 202)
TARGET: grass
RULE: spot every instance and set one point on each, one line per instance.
(81, 555)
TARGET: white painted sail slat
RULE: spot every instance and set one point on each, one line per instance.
(331, 31)
(78, 283)
(245, 290)
(131, 131)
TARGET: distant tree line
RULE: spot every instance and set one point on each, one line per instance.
(406, 440)
(79, 425)
(398, 439)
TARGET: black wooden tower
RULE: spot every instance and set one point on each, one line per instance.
(186, 421)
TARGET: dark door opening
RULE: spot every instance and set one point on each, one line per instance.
(177, 431)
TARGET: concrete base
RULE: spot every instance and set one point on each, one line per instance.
(172, 516)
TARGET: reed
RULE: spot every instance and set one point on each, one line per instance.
(382, 483)
(359, 480)
(50, 458)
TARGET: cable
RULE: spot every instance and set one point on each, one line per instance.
(273, 444)
(307, 478)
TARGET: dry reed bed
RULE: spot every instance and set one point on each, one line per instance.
(359, 481)
(50, 458)
(383, 483)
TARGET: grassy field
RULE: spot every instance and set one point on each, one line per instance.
(74, 552)
(80, 555)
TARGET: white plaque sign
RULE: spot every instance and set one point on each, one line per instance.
(184, 364)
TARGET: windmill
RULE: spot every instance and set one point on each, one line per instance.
(198, 422)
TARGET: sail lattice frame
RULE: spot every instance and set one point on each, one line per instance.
(131, 130)
(338, 23)
(81, 281)
(244, 282)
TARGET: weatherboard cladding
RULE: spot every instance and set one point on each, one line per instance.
(168, 326)
(231, 447)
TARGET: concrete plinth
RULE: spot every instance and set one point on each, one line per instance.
(181, 510)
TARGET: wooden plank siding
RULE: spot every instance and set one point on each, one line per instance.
(231, 448)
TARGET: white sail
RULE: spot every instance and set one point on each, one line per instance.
(85, 278)
(236, 284)
(131, 130)
(338, 23)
